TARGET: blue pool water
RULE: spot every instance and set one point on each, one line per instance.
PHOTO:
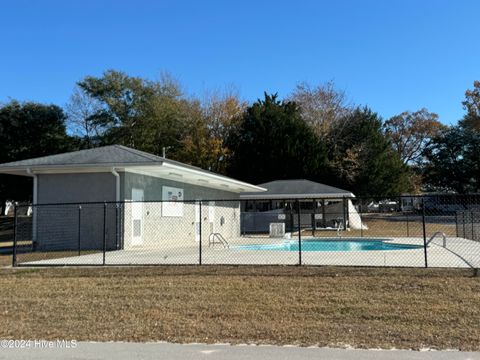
(333, 244)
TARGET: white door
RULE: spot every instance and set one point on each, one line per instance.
(197, 220)
(211, 215)
(137, 217)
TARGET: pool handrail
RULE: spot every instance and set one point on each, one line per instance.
(444, 237)
(222, 240)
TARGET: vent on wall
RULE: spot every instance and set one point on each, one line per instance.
(137, 227)
(277, 230)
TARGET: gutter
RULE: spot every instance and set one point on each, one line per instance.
(296, 196)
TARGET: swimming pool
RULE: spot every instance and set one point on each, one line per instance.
(331, 244)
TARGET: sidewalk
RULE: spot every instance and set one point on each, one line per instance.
(130, 351)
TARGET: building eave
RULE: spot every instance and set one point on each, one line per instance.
(296, 196)
(162, 169)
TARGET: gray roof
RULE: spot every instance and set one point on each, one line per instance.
(114, 154)
(117, 156)
(300, 189)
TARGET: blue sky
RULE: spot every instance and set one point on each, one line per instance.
(389, 55)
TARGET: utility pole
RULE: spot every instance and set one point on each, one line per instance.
(164, 150)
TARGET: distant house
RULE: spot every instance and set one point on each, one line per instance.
(321, 206)
(131, 182)
(440, 202)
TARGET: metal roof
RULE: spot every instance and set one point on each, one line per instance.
(296, 189)
(125, 159)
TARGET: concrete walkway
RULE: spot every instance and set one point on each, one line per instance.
(458, 253)
(131, 351)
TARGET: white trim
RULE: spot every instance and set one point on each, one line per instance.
(64, 167)
(202, 178)
(214, 176)
(230, 185)
(297, 196)
(62, 171)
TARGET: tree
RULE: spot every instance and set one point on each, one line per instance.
(454, 161)
(124, 101)
(471, 119)
(147, 115)
(81, 111)
(322, 106)
(209, 127)
(411, 134)
(274, 142)
(29, 130)
(362, 159)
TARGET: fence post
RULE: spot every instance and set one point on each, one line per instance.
(324, 218)
(254, 216)
(121, 214)
(408, 225)
(456, 223)
(360, 208)
(79, 228)
(14, 256)
(314, 221)
(424, 233)
(200, 235)
(117, 230)
(104, 231)
(471, 218)
(299, 234)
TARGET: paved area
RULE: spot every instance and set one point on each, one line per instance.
(130, 351)
(458, 252)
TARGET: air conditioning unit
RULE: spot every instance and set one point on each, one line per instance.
(277, 230)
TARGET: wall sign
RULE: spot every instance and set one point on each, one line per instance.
(172, 204)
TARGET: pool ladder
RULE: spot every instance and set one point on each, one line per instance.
(442, 234)
(217, 238)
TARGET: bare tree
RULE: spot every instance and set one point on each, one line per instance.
(321, 106)
(80, 111)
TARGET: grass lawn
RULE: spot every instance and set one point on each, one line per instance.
(381, 225)
(402, 308)
(5, 259)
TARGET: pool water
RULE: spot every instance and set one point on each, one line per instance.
(334, 244)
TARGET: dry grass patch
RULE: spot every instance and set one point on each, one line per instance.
(403, 308)
(5, 260)
(385, 226)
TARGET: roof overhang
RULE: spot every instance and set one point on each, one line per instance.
(163, 170)
(261, 196)
(195, 177)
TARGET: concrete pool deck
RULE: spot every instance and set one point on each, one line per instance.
(458, 253)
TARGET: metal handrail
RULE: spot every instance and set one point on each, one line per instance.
(444, 237)
(222, 240)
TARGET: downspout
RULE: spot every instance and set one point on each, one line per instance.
(34, 203)
(117, 184)
(118, 236)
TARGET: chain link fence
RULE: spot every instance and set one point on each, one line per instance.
(405, 231)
